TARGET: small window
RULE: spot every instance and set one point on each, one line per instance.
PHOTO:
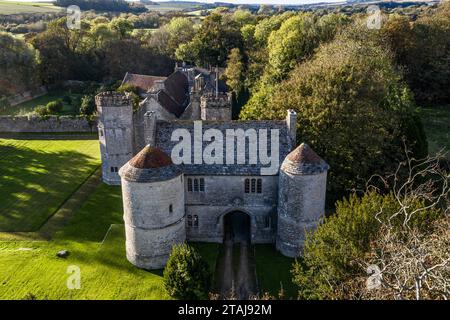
(189, 219)
(170, 208)
(189, 183)
(202, 184)
(195, 185)
(114, 169)
(101, 133)
(253, 185)
(259, 185)
(195, 221)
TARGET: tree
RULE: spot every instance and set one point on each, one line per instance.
(389, 232)
(186, 275)
(297, 38)
(18, 64)
(181, 30)
(422, 48)
(354, 111)
(122, 27)
(213, 41)
(235, 71)
(87, 106)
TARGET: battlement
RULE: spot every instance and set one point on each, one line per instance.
(112, 99)
(222, 100)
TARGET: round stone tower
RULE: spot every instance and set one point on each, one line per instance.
(153, 203)
(301, 198)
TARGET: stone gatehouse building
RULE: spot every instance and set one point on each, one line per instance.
(167, 203)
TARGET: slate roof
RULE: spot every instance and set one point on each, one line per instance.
(303, 160)
(142, 82)
(163, 141)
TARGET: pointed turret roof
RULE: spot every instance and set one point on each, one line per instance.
(303, 160)
(149, 165)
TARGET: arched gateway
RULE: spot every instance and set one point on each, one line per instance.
(237, 227)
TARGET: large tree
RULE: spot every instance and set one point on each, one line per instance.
(352, 109)
(218, 34)
(17, 65)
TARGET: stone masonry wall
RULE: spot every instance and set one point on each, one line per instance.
(46, 124)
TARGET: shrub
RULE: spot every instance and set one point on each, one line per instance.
(332, 252)
(186, 275)
(55, 107)
(87, 105)
(42, 110)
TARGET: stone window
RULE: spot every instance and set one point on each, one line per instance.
(195, 221)
(196, 185)
(114, 169)
(192, 220)
(101, 133)
(253, 186)
(170, 208)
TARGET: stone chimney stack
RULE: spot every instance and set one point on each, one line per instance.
(150, 128)
(291, 121)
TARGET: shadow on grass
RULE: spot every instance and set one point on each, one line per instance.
(35, 183)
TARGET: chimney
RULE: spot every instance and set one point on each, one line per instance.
(150, 128)
(291, 122)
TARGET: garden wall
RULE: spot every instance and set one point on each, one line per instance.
(46, 124)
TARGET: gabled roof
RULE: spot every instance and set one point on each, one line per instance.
(142, 82)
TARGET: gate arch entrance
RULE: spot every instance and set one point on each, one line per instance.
(237, 227)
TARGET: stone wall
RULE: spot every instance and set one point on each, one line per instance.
(226, 194)
(47, 124)
(154, 220)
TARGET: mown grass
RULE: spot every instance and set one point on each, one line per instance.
(37, 176)
(436, 121)
(11, 7)
(29, 106)
(273, 271)
(95, 239)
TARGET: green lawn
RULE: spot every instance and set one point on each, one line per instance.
(29, 106)
(95, 238)
(11, 7)
(37, 176)
(436, 122)
(274, 270)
